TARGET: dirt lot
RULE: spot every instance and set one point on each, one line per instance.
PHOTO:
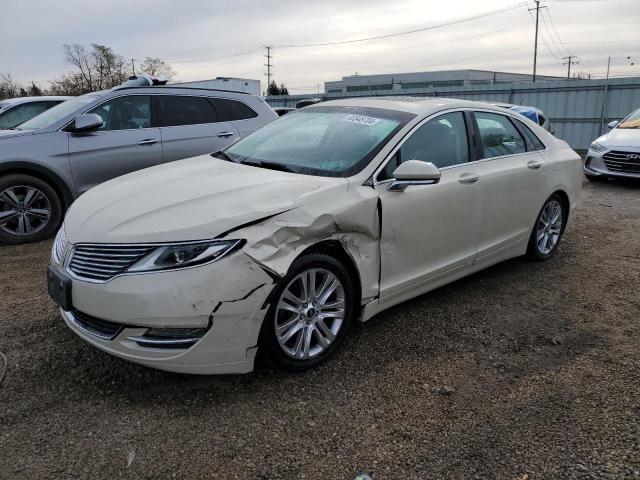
(544, 360)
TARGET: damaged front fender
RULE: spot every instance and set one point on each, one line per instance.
(349, 216)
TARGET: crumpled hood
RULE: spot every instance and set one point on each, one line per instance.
(194, 199)
(621, 137)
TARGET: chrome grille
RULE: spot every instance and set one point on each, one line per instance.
(103, 262)
(627, 162)
(59, 247)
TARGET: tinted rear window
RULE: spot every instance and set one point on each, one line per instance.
(232, 110)
(184, 110)
(533, 142)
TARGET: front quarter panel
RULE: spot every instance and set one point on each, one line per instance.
(348, 216)
(45, 152)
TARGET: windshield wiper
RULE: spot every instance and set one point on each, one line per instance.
(223, 156)
(271, 165)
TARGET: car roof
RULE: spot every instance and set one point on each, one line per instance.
(17, 100)
(179, 89)
(416, 105)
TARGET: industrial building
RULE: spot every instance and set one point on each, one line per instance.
(407, 81)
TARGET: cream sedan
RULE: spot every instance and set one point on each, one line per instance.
(324, 217)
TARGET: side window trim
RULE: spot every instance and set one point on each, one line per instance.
(373, 180)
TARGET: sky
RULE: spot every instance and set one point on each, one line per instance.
(204, 39)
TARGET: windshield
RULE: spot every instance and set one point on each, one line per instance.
(325, 141)
(632, 121)
(57, 113)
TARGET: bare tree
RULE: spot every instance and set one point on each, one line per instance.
(158, 68)
(99, 68)
(9, 88)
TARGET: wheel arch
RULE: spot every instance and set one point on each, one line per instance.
(44, 174)
(566, 204)
(340, 253)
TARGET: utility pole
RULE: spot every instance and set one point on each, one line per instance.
(570, 60)
(133, 65)
(535, 44)
(269, 65)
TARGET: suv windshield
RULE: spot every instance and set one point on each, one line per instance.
(325, 141)
(632, 121)
(57, 113)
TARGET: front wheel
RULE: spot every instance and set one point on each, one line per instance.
(310, 312)
(30, 209)
(548, 229)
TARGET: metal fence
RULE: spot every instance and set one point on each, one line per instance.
(579, 110)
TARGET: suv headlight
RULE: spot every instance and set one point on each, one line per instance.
(596, 147)
(183, 255)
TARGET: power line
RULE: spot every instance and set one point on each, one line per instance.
(366, 39)
(556, 32)
(408, 32)
(213, 59)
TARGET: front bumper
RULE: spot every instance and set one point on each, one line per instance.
(225, 298)
(595, 165)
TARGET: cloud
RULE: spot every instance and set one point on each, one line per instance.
(189, 31)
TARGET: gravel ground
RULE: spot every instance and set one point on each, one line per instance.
(543, 360)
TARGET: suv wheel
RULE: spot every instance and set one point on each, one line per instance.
(30, 209)
(312, 309)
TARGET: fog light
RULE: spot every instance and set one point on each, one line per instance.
(169, 337)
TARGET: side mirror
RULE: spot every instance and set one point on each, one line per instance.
(613, 124)
(414, 172)
(86, 122)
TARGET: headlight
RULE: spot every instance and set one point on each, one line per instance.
(596, 147)
(182, 255)
(59, 247)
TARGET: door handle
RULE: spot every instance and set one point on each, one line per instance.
(534, 164)
(148, 141)
(226, 134)
(468, 178)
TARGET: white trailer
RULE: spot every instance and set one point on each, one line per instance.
(226, 83)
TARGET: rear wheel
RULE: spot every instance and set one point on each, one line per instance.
(311, 310)
(30, 209)
(548, 229)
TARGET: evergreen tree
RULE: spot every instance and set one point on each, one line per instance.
(273, 89)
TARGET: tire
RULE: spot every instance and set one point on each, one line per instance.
(311, 319)
(597, 178)
(545, 236)
(37, 209)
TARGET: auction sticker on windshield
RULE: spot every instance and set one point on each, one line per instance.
(361, 119)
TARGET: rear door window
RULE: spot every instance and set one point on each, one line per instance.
(233, 110)
(499, 136)
(533, 142)
(176, 110)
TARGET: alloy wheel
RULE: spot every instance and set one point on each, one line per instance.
(310, 313)
(24, 210)
(549, 227)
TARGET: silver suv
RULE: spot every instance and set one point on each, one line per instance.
(50, 160)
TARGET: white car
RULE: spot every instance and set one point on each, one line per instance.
(617, 153)
(15, 111)
(323, 217)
